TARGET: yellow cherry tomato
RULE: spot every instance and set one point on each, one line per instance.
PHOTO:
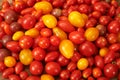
(91, 34)
(49, 20)
(103, 51)
(17, 35)
(32, 32)
(25, 56)
(46, 77)
(66, 48)
(60, 33)
(45, 6)
(82, 64)
(76, 19)
(9, 61)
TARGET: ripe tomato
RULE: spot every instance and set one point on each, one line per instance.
(23, 75)
(76, 56)
(91, 34)
(75, 75)
(17, 35)
(49, 20)
(52, 68)
(25, 56)
(2, 66)
(46, 77)
(19, 67)
(65, 50)
(64, 74)
(97, 72)
(54, 40)
(33, 78)
(76, 37)
(71, 66)
(25, 42)
(7, 72)
(103, 51)
(38, 53)
(36, 68)
(14, 77)
(82, 64)
(45, 32)
(87, 72)
(99, 61)
(110, 70)
(9, 61)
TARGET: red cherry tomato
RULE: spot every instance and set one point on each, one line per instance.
(54, 40)
(33, 78)
(36, 67)
(76, 74)
(45, 32)
(2, 66)
(18, 67)
(23, 75)
(14, 77)
(87, 73)
(64, 74)
(52, 68)
(99, 61)
(97, 72)
(7, 72)
(71, 66)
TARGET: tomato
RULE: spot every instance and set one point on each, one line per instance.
(103, 51)
(36, 68)
(57, 12)
(63, 61)
(75, 75)
(17, 35)
(39, 25)
(87, 48)
(87, 72)
(91, 23)
(59, 33)
(51, 56)
(38, 54)
(97, 72)
(19, 67)
(14, 77)
(5, 39)
(64, 74)
(91, 61)
(84, 8)
(104, 20)
(25, 42)
(113, 27)
(23, 75)
(110, 70)
(54, 40)
(99, 61)
(28, 22)
(66, 26)
(71, 66)
(49, 20)
(44, 42)
(25, 56)
(82, 64)
(13, 46)
(112, 38)
(96, 14)
(45, 6)
(91, 34)
(76, 19)
(32, 32)
(7, 72)
(65, 50)
(2, 66)
(102, 78)
(46, 77)
(45, 32)
(118, 62)
(77, 37)
(33, 78)
(76, 57)
(114, 47)
(31, 2)
(9, 61)
(52, 68)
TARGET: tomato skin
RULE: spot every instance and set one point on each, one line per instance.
(114, 47)
(36, 68)
(109, 57)
(19, 67)
(118, 62)
(87, 48)
(23, 75)
(91, 61)
(2, 66)
(76, 37)
(13, 46)
(46, 77)
(99, 61)
(65, 50)
(97, 72)
(7, 72)
(76, 56)
(112, 38)
(62, 60)
(110, 70)
(104, 20)
(102, 78)
(25, 42)
(71, 66)
(33, 78)
(17, 35)
(52, 68)
(64, 74)
(75, 75)
(65, 26)
(45, 32)
(38, 53)
(54, 40)
(9, 61)
(51, 56)
(14, 77)
(90, 22)
(86, 73)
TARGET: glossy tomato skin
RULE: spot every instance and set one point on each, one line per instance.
(76, 56)
(23, 75)
(36, 68)
(25, 42)
(7, 72)
(64, 74)
(14, 77)
(33, 78)
(99, 61)
(19, 67)
(38, 53)
(52, 68)
(97, 72)
(45, 32)
(71, 66)
(76, 74)
(54, 40)
(87, 73)
(118, 62)
(2, 66)
(87, 48)
(110, 70)
(77, 37)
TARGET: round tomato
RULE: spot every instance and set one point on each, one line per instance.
(9, 61)
(46, 77)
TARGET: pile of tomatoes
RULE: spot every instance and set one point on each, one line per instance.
(60, 40)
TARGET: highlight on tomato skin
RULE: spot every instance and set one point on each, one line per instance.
(60, 40)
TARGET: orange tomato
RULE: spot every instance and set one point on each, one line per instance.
(17, 35)
(103, 51)
(9, 61)
(46, 77)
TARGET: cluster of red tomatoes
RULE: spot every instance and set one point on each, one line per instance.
(60, 40)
